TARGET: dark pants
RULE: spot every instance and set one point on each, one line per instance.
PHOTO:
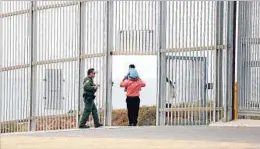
(90, 107)
(133, 104)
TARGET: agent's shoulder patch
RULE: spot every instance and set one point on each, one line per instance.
(87, 81)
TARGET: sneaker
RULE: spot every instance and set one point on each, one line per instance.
(98, 125)
(82, 127)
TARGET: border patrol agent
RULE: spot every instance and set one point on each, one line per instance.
(89, 95)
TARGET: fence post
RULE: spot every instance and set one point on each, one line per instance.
(231, 30)
(235, 102)
(219, 58)
(33, 73)
(234, 84)
(160, 97)
(109, 46)
(81, 37)
(242, 74)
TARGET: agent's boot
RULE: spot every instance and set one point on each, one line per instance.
(83, 127)
(98, 125)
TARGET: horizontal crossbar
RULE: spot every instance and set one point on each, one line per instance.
(44, 62)
(43, 7)
(205, 48)
(152, 52)
(191, 109)
(253, 63)
(125, 52)
(248, 112)
(250, 41)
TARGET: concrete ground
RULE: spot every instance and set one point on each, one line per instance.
(238, 123)
(195, 137)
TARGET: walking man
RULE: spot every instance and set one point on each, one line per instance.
(89, 95)
(132, 100)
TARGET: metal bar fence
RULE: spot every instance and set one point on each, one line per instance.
(248, 60)
(196, 63)
(49, 45)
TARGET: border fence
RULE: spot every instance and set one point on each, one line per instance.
(47, 46)
(248, 59)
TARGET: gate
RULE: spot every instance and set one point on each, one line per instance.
(196, 53)
(249, 59)
(186, 83)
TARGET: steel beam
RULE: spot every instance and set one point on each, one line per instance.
(81, 36)
(109, 21)
(231, 18)
(161, 90)
(33, 70)
(219, 60)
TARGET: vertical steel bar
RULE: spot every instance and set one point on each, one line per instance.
(51, 55)
(174, 40)
(233, 42)
(33, 54)
(168, 61)
(186, 68)
(65, 101)
(246, 73)
(247, 53)
(230, 57)
(134, 28)
(178, 62)
(25, 61)
(81, 20)
(160, 103)
(240, 57)
(2, 74)
(203, 68)
(250, 56)
(190, 69)
(139, 26)
(12, 72)
(16, 79)
(58, 17)
(146, 27)
(210, 63)
(43, 44)
(8, 72)
(170, 19)
(192, 44)
(109, 20)
(183, 61)
(257, 35)
(219, 59)
(99, 16)
(21, 71)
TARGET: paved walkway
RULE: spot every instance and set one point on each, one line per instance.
(239, 123)
(138, 137)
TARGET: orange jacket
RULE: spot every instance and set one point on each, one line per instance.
(133, 86)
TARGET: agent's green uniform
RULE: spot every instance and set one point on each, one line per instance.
(89, 96)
